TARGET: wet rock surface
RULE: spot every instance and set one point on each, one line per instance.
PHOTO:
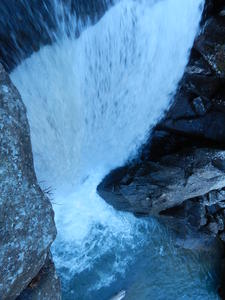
(27, 227)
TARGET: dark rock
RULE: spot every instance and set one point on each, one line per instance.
(219, 163)
(220, 222)
(212, 34)
(218, 101)
(166, 183)
(213, 209)
(27, 227)
(181, 109)
(209, 126)
(161, 143)
(198, 111)
(222, 13)
(215, 197)
(204, 86)
(181, 189)
(199, 106)
(45, 286)
(186, 190)
(222, 236)
(27, 25)
(213, 228)
(198, 66)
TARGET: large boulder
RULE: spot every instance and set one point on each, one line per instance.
(27, 227)
(153, 187)
(186, 190)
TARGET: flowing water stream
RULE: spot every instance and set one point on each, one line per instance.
(91, 103)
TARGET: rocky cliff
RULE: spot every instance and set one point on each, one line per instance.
(197, 115)
(27, 227)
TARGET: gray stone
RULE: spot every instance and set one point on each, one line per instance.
(222, 236)
(211, 45)
(199, 106)
(181, 109)
(27, 227)
(220, 222)
(168, 183)
(222, 13)
(213, 228)
(45, 286)
(202, 86)
(215, 197)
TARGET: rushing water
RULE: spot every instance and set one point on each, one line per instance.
(91, 103)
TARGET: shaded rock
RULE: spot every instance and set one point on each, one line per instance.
(27, 227)
(213, 228)
(184, 190)
(205, 215)
(204, 86)
(209, 126)
(45, 286)
(199, 106)
(212, 8)
(215, 197)
(222, 236)
(198, 111)
(183, 109)
(211, 44)
(198, 66)
(158, 186)
(218, 101)
(27, 25)
(222, 287)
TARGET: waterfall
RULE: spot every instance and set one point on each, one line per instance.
(91, 103)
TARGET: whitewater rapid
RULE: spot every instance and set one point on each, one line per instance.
(91, 103)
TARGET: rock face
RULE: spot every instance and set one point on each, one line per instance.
(154, 187)
(45, 286)
(197, 116)
(188, 186)
(27, 227)
(27, 25)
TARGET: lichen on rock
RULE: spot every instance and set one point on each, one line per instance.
(27, 227)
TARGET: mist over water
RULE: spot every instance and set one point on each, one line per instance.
(91, 103)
